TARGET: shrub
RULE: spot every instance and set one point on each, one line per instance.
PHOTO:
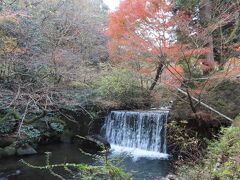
(120, 85)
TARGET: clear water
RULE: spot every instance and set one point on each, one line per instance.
(141, 169)
(137, 139)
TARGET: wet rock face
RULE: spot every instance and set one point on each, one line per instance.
(78, 120)
(99, 140)
(225, 98)
(13, 150)
(91, 144)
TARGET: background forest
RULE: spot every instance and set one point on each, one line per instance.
(65, 63)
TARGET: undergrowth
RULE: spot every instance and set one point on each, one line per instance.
(222, 161)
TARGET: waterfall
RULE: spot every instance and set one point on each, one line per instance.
(142, 134)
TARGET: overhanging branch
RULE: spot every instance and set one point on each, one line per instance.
(207, 106)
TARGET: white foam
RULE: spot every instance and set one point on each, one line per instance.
(136, 153)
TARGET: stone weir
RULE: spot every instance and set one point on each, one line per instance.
(139, 133)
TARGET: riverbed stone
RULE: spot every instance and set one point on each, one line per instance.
(9, 174)
(26, 150)
(170, 177)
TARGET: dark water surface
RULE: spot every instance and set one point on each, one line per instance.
(63, 153)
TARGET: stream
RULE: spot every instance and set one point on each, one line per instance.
(141, 168)
(137, 138)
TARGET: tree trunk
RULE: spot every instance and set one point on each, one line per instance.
(205, 16)
(157, 77)
(191, 101)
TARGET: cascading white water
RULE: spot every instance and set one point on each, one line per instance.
(143, 134)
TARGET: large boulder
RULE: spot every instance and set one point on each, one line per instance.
(26, 150)
(92, 144)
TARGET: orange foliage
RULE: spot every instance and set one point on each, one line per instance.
(9, 16)
(196, 52)
(140, 25)
(206, 66)
(149, 60)
(175, 70)
(172, 76)
(146, 28)
(232, 68)
(145, 70)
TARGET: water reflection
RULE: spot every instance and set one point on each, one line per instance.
(142, 168)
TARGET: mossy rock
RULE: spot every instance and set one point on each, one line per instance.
(10, 150)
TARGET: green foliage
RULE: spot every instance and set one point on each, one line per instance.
(7, 126)
(120, 85)
(8, 122)
(187, 4)
(78, 85)
(226, 151)
(106, 169)
(222, 162)
(56, 126)
(30, 132)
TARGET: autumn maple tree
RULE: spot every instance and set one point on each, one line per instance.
(160, 35)
(176, 41)
(142, 30)
(145, 31)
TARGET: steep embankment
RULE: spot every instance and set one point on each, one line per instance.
(189, 133)
(23, 126)
(222, 161)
